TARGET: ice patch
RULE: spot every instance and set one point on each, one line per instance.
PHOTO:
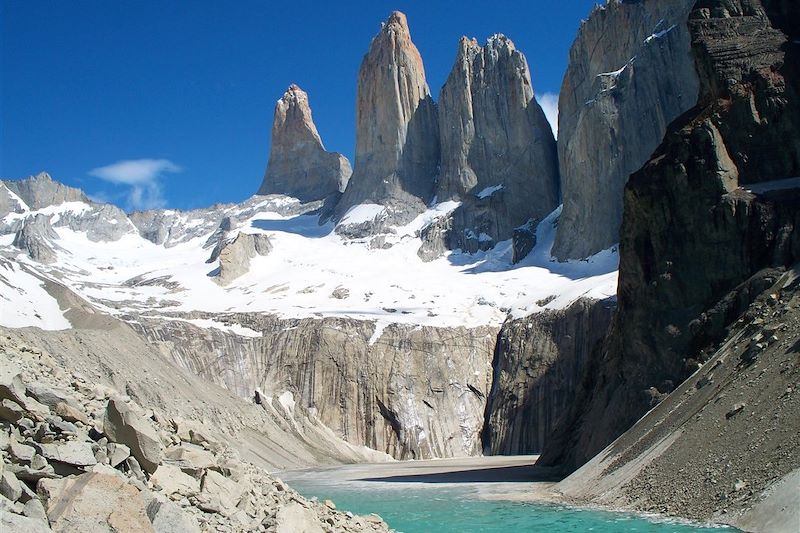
(286, 399)
(488, 191)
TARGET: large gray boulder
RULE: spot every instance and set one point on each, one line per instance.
(397, 134)
(94, 503)
(123, 425)
(298, 164)
(235, 255)
(498, 154)
(630, 75)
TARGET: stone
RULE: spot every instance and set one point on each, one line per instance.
(94, 503)
(298, 164)
(167, 517)
(630, 74)
(70, 413)
(117, 453)
(11, 384)
(72, 452)
(11, 411)
(228, 491)
(190, 458)
(34, 509)
(21, 524)
(173, 481)
(123, 425)
(20, 453)
(294, 518)
(397, 133)
(498, 153)
(10, 487)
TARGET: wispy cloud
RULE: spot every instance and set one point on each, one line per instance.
(549, 103)
(142, 177)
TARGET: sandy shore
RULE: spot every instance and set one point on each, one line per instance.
(496, 478)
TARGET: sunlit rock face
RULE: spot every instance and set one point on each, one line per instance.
(498, 150)
(630, 74)
(298, 164)
(397, 133)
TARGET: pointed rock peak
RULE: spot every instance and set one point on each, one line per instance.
(298, 164)
(397, 21)
(44, 176)
(294, 94)
(498, 41)
(467, 47)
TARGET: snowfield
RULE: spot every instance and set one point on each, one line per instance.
(310, 272)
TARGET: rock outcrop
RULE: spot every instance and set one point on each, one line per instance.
(298, 164)
(36, 238)
(41, 191)
(10, 202)
(539, 363)
(235, 255)
(630, 74)
(715, 205)
(498, 154)
(397, 134)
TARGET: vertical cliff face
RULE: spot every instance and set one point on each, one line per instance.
(718, 202)
(298, 164)
(630, 75)
(498, 151)
(413, 392)
(397, 134)
(539, 365)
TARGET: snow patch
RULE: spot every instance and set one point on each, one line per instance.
(488, 191)
(286, 399)
(25, 302)
(358, 214)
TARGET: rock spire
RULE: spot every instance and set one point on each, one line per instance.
(298, 164)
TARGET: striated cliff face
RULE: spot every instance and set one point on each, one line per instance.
(498, 154)
(413, 392)
(36, 238)
(630, 74)
(539, 364)
(298, 164)
(717, 203)
(397, 134)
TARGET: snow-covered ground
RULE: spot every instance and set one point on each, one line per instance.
(298, 277)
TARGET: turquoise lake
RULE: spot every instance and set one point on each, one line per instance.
(412, 507)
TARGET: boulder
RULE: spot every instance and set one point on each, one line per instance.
(123, 425)
(190, 458)
(72, 453)
(167, 517)
(173, 481)
(21, 524)
(93, 503)
(227, 491)
(294, 518)
(10, 487)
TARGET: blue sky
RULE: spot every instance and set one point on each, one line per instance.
(169, 103)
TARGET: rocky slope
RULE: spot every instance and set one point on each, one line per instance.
(723, 445)
(397, 132)
(630, 74)
(298, 164)
(498, 154)
(715, 205)
(81, 456)
(539, 364)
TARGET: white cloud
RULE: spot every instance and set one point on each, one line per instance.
(549, 103)
(142, 176)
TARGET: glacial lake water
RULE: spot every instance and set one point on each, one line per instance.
(425, 503)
